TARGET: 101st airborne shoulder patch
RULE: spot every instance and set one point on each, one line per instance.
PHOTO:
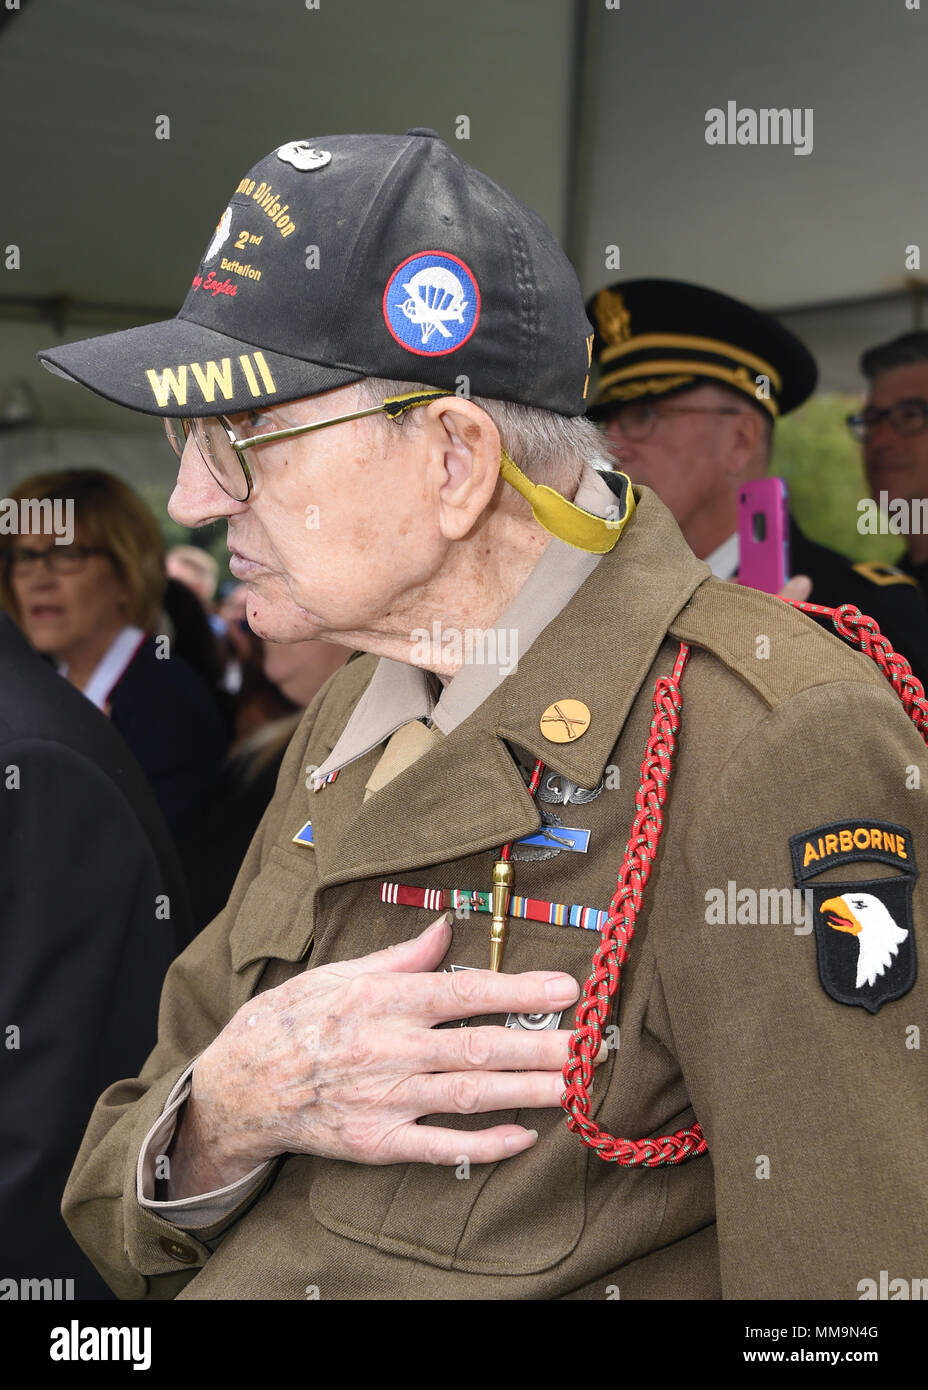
(863, 930)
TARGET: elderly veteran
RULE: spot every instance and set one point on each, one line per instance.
(345, 1101)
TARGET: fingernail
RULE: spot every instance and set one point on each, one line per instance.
(601, 1055)
(444, 920)
(562, 990)
(514, 1141)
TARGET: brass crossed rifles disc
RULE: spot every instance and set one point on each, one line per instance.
(565, 721)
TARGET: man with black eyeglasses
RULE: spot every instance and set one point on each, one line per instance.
(893, 429)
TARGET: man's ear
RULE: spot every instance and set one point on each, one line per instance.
(748, 443)
(465, 453)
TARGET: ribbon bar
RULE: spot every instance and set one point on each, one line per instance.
(476, 900)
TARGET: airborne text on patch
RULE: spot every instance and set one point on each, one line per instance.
(859, 838)
(844, 841)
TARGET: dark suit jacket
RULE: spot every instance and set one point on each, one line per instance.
(895, 604)
(166, 713)
(84, 857)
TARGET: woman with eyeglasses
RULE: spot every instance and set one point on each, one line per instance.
(90, 597)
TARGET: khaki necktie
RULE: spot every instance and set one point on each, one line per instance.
(403, 749)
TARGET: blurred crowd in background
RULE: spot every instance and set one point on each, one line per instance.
(205, 706)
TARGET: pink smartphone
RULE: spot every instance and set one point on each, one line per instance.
(763, 535)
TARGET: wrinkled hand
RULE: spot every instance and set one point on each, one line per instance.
(343, 1060)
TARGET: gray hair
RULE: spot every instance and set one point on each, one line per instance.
(549, 448)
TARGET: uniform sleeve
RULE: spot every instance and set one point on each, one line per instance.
(814, 1109)
(139, 1252)
(216, 1210)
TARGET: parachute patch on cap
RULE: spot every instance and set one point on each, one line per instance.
(863, 929)
(302, 155)
(431, 303)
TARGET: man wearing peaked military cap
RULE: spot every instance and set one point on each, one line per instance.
(344, 1097)
(690, 384)
(658, 338)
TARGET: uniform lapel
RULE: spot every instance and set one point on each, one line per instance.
(463, 796)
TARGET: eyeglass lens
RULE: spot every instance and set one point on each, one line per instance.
(636, 421)
(905, 417)
(63, 559)
(215, 449)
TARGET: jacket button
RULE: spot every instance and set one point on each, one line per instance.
(184, 1254)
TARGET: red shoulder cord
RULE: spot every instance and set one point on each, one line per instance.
(640, 853)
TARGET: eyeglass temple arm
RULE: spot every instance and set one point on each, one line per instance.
(299, 429)
(394, 406)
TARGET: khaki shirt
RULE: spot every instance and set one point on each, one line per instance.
(813, 1109)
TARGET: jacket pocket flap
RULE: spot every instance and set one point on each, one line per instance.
(277, 914)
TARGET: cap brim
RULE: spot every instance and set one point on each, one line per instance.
(180, 368)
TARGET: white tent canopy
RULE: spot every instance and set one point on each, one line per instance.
(593, 112)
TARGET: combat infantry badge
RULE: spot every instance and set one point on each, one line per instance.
(863, 929)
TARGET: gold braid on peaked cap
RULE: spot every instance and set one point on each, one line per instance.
(656, 337)
(559, 517)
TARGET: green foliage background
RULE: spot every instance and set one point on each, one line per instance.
(821, 464)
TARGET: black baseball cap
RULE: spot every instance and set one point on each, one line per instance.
(658, 337)
(347, 256)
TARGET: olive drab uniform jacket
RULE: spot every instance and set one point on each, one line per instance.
(771, 990)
